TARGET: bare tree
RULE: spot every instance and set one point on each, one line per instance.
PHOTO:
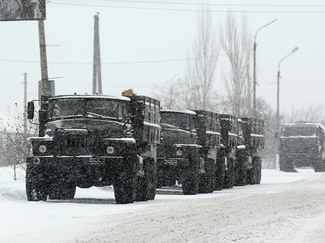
(15, 147)
(200, 72)
(168, 93)
(237, 45)
(195, 89)
(310, 114)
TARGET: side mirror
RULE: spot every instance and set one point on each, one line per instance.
(30, 110)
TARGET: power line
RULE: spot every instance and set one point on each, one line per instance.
(197, 10)
(11, 90)
(111, 63)
(219, 4)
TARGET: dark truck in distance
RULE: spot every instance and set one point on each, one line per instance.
(94, 140)
(302, 144)
(248, 169)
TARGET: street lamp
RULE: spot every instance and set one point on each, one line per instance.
(254, 72)
(278, 97)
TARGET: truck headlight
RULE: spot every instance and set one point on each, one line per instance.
(110, 150)
(179, 152)
(42, 149)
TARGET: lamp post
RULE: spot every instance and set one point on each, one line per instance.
(254, 71)
(278, 97)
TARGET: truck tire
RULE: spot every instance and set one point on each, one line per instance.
(319, 165)
(142, 187)
(241, 170)
(152, 180)
(255, 173)
(190, 176)
(229, 174)
(190, 182)
(219, 173)
(286, 164)
(207, 180)
(240, 175)
(125, 185)
(36, 184)
(61, 190)
(257, 167)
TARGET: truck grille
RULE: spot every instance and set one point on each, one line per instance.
(299, 145)
(74, 145)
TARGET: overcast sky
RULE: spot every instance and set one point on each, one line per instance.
(144, 43)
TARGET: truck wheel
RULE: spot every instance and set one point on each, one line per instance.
(207, 180)
(190, 177)
(286, 164)
(319, 165)
(240, 175)
(257, 167)
(142, 186)
(229, 174)
(61, 190)
(241, 170)
(190, 182)
(219, 174)
(36, 184)
(160, 177)
(152, 180)
(125, 185)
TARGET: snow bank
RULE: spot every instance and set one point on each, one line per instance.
(270, 212)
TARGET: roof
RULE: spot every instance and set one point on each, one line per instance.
(179, 111)
(92, 96)
(304, 124)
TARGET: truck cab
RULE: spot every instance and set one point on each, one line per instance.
(94, 140)
(302, 144)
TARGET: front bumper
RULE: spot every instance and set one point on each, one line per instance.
(76, 160)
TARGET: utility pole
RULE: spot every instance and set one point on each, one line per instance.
(97, 74)
(42, 45)
(254, 68)
(25, 105)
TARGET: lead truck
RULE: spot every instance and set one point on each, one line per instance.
(94, 140)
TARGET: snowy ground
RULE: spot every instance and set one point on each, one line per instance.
(285, 207)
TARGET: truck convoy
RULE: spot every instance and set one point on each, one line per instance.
(302, 144)
(94, 140)
(128, 142)
(205, 151)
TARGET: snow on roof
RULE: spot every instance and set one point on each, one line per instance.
(179, 111)
(304, 124)
(92, 96)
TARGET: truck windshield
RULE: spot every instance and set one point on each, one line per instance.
(179, 120)
(100, 108)
(291, 131)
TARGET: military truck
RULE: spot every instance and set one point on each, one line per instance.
(178, 152)
(208, 129)
(225, 171)
(248, 168)
(94, 140)
(302, 144)
(188, 150)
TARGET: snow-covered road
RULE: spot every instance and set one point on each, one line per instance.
(285, 207)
